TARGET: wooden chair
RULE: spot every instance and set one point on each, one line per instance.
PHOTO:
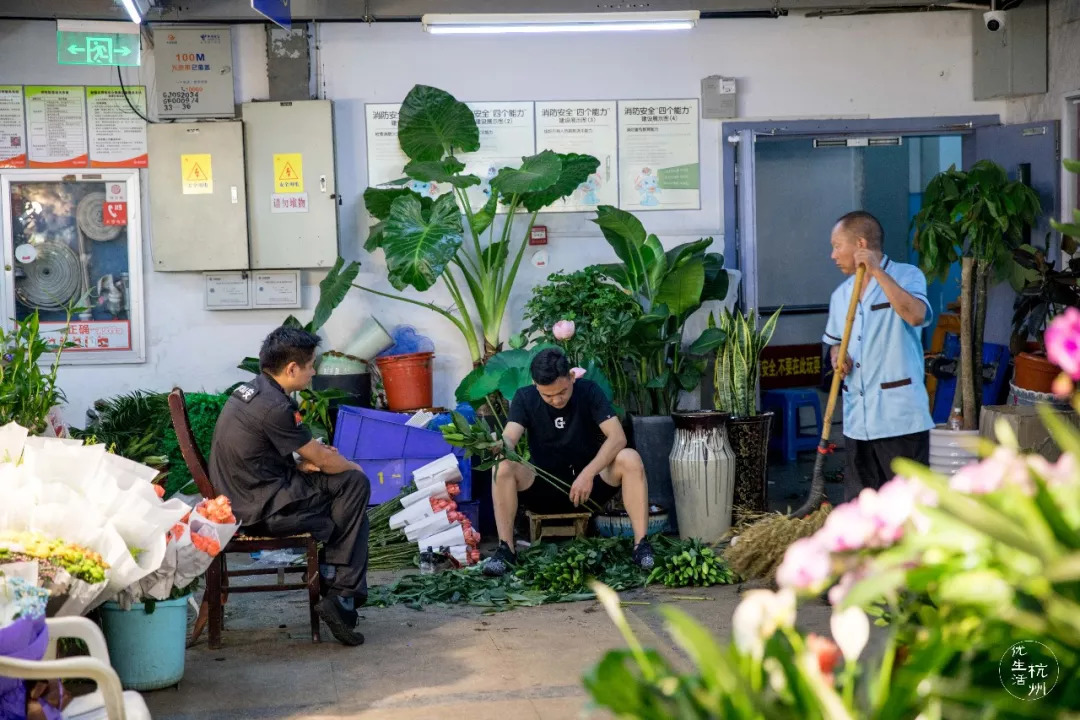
(212, 611)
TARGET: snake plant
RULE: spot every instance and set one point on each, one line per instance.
(737, 370)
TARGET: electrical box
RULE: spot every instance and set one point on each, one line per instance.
(1012, 60)
(292, 196)
(198, 207)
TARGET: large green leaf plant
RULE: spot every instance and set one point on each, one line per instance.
(429, 240)
(977, 217)
(670, 285)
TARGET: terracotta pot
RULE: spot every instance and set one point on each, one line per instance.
(1034, 372)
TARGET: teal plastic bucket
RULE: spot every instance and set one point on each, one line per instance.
(147, 649)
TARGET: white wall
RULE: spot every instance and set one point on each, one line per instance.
(1063, 49)
(875, 66)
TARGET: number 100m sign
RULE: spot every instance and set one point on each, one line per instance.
(193, 70)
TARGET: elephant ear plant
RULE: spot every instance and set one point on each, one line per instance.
(669, 285)
(426, 240)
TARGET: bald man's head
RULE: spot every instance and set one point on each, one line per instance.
(855, 230)
(861, 224)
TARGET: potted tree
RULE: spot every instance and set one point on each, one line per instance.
(735, 378)
(978, 217)
(669, 286)
(426, 240)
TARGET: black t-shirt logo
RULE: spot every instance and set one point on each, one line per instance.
(560, 422)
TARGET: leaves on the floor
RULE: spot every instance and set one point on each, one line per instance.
(551, 573)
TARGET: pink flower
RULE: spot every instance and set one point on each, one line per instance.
(806, 565)
(846, 528)
(1064, 472)
(577, 372)
(563, 330)
(1063, 342)
(895, 503)
(1003, 467)
(839, 591)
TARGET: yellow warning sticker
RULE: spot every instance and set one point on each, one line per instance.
(196, 175)
(288, 173)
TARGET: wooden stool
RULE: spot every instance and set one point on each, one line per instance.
(541, 525)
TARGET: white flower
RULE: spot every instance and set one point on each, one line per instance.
(851, 630)
(760, 614)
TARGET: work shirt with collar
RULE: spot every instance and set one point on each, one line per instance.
(885, 392)
(251, 459)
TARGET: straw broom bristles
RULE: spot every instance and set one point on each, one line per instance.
(758, 545)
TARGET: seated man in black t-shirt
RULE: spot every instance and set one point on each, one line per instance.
(575, 435)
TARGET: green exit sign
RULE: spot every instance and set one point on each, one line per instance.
(97, 48)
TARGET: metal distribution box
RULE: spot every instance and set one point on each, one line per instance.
(292, 196)
(198, 206)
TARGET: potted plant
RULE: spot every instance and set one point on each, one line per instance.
(425, 240)
(589, 317)
(735, 378)
(1043, 293)
(978, 217)
(669, 286)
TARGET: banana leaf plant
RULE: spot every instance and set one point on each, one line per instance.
(426, 240)
(670, 285)
(977, 217)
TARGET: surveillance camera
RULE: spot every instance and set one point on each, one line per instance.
(994, 20)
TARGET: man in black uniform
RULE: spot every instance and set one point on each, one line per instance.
(252, 463)
(575, 435)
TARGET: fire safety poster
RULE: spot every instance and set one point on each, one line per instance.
(117, 133)
(585, 128)
(56, 124)
(12, 127)
(659, 157)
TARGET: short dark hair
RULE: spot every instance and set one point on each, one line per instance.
(548, 366)
(864, 225)
(286, 345)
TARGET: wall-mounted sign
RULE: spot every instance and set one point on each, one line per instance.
(96, 48)
(193, 72)
(659, 156)
(117, 133)
(56, 124)
(12, 127)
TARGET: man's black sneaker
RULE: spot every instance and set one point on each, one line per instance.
(501, 562)
(340, 621)
(643, 556)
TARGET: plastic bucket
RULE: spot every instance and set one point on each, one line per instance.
(147, 649)
(371, 340)
(407, 379)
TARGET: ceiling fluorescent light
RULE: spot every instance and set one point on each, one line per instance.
(132, 11)
(498, 23)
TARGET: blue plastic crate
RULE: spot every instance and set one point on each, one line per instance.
(389, 452)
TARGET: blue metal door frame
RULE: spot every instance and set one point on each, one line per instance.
(734, 132)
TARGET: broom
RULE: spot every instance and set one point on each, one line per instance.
(758, 548)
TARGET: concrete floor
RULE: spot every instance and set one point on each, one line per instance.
(435, 663)
(439, 662)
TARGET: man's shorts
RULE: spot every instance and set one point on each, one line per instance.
(545, 498)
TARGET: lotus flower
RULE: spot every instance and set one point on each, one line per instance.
(806, 565)
(1063, 342)
(563, 330)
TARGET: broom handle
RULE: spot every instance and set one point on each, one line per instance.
(817, 480)
(834, 389)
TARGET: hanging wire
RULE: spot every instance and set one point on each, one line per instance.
(123, 89)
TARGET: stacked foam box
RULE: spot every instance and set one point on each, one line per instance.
(430, 517)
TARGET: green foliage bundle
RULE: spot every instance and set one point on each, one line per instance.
(203, 412)
(28, 391)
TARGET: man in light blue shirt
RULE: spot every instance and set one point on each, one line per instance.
(886, 409)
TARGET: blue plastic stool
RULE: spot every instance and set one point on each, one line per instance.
(786, 403)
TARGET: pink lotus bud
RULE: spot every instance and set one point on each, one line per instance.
(1063, 342)
(563, 330)
(577, 372)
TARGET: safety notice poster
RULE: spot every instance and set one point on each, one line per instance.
(117, 133)
(386, 161)
(93, 335)
(56, 125)
(12, 127)
(507, 134)
(659, 157)
(584, 128)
